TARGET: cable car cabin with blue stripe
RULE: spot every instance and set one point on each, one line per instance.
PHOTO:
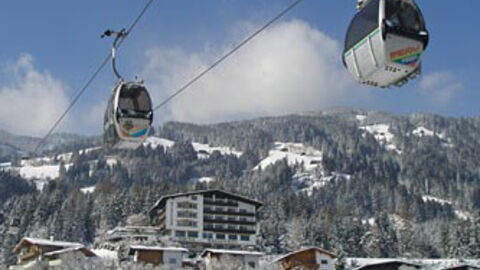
(128, 117)
(385, 42)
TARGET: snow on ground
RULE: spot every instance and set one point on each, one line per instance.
(426, 198)
(308, 182)
(382, 134)
(204, 150)
(44, 172)
(427, 263)
(204, 180)
(425, 132)
(87, 190)
(111, 161)
(295, 153)
(106, 254)
(464, 215)
(155, 142)
(361, 117)
(422, 131)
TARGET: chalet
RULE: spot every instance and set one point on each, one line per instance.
(32, 250)
(207, 219)
(249, 259)
(463, 267)
(390, 265)
(156, 256)
(311, 258)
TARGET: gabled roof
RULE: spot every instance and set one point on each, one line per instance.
(231, 252)
(45, 242)
(303, 250)
(161, 202)
(154, 248)
(393, 261)
(461, 266)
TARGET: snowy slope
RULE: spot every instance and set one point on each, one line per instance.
(155, 142)
(295, 153)
(464, 215)
(382, 134)
(205, 150)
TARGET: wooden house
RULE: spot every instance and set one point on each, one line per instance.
(311, 258)
(168, 256)
(32, 250)
(249, 259)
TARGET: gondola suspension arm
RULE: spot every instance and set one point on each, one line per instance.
(119, 37)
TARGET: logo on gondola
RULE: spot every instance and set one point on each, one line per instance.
(407, 56)
(128, 125)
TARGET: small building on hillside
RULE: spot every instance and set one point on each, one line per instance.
(136, 234)
(463, 267)
(33, 250)
(311, 258)
(167, 256)
(249, 259)
(390, 265)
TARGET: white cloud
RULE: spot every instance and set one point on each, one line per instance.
(439, 88)
(32, 101)
(290, 67)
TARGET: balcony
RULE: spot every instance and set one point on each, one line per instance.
(220, 202)
(228, 221)
(241, 230)
(209, 210)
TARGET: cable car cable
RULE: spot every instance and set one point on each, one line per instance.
(92, 78)
(227, 55)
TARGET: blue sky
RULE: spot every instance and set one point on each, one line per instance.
(53, 46)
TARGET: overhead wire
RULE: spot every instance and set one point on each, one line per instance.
(180, 90)
(91, 79)
(228, 54)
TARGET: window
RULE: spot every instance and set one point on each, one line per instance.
(251, 264)
(186, 223)
(232, 237)
(364, 23)
(186, 214)
(172, 261)
(193, 234)
(404, 15)
(243, 210)
(245, 238)
(180, 233)
(134, 97)
(187, 205)
(207, 235)
(221, 236)
(194, 197)
(324, 262)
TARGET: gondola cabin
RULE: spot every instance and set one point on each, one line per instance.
(385, 42)
(128, 117)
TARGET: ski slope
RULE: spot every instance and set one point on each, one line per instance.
(294, 153)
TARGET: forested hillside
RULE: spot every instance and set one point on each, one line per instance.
(361, 183)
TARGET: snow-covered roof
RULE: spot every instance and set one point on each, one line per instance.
(163, 199)
(84, 250)
(231, 252)
(303, 250)
(154, 248)
(45, 242)
(466, 266)
(389, 261)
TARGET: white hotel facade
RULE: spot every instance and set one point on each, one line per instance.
(208, 219)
